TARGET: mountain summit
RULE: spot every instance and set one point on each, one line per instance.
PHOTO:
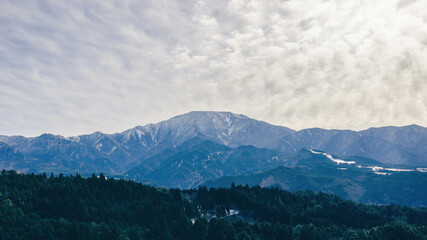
(145, 147)
(132, 147)
(222, 127)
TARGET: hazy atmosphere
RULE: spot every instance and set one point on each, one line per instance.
(73, 67)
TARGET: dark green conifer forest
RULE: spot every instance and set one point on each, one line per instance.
(73, 207)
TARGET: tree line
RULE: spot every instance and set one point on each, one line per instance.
(73, 207)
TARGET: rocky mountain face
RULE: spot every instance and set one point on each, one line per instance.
(222, 127)
(198, 147)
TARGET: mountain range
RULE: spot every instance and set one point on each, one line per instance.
(355, 178)
(213, 147)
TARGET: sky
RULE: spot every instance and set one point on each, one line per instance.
(74, 67)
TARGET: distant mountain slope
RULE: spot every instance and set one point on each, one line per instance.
(10, 158)
(117, 153)
(51, 153)
(221, 127)
(203, 160)
(412, 138)
(391, 145)
(151, 152)
(352, 179)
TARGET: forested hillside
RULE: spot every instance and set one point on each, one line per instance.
(73, 207)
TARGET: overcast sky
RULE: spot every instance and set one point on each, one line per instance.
(73, 67)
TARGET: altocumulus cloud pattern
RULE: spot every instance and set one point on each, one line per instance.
(70, 67)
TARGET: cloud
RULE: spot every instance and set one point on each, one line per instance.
(77, 67)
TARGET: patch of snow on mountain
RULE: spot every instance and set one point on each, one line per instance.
(73, 139)
(112, 150)
(126, 135)
(230, 130)
(375, 168)
(98, 146)
(382, 173)
(139, 133)
(228, 120)
(337, 160)
(232, 212)
(399, 170)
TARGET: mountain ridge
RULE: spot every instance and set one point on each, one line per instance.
(392, 145)
(196, 148)
(140, 126)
